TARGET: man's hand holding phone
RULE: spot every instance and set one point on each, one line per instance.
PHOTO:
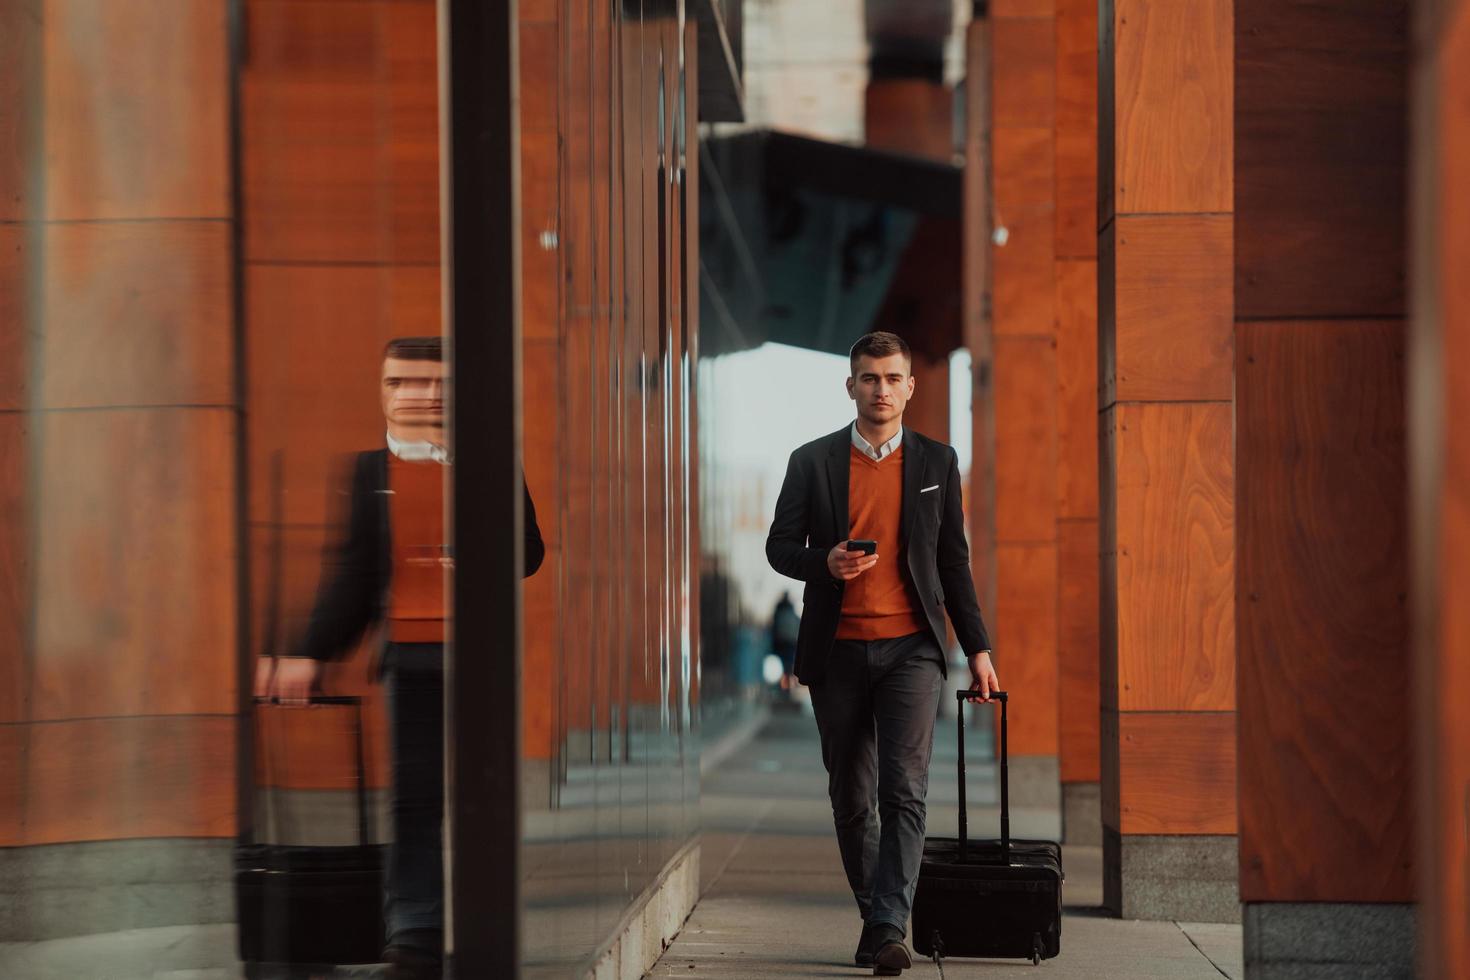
(848, 560)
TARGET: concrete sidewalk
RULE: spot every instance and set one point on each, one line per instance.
(775, 902)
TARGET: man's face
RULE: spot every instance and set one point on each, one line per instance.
(882, 387)
(413, 393)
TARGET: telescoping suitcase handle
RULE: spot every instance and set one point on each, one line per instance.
(1005, 776)
(360, 783)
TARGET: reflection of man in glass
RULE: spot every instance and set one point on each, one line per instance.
(388, 569)
(870, 518)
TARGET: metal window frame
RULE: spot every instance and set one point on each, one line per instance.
(480, 215)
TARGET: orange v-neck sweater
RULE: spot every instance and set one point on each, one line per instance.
(416, 518)
(877, 605)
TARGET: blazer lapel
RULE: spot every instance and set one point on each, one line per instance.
(837, 470)
(913, 475)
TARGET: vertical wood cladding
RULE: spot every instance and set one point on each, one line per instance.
(118, 586)
(1324, 680)
(1439, 400)
(339, 164)
(1023, 152)
(1321, 124)
(1167, 499)
(1075, 275)
(1325, 780)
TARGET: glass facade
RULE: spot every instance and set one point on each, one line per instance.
(222, 449)
(612, 677)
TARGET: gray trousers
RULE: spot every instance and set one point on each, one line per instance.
(875, 712)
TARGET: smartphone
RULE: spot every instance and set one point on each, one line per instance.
(866, 547)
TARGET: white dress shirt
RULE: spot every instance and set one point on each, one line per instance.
(417, 451)
(867, 449)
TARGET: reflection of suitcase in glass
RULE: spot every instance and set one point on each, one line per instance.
(300, 904)
(989, 898)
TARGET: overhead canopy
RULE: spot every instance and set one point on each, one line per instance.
(813, 244)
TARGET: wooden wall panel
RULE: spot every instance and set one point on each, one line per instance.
(1173, 78)
(539, 216)
(13, 793)
(1023, 300)
(136, 313)
(1175, 567)
(339, 162)
(18, 298)
(1320, 158)
(1025, 641)
(1023, 8)
(316, 748)
(136, 576)
(20, 72)
(1323, 624)
(1076, 129)
(1078, 693)
(1439, 386)
(1025, 439)
(317, 335)
(160, 66)
(1177, 772)
(540, 372)
(1023, 83)
(15, 567)
(1173, 320)
(120, 778)
(1076, 357)
(976, 253)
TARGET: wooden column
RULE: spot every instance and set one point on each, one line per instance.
(977, 327)
(1024, 364)
(1167, 488)
(916, 116)
(1325, 774)
(1076, 358)
(1439, 438)
(119, 427)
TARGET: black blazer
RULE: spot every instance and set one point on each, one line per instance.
(358, 566)
(812, 517)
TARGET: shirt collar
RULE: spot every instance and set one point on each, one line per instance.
(882, 451)
(417, 451)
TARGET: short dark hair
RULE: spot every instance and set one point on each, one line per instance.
(415, 349)
(879, 343)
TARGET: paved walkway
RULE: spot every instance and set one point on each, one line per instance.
(776, 904)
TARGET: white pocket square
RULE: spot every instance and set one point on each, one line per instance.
(927, 489)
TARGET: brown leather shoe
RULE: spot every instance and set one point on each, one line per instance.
(892, 957)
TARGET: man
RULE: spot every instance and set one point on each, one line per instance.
(388, 569)
(871, 645)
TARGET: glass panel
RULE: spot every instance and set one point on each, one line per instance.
(608, 338)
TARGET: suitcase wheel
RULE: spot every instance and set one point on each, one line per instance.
(1036, 949)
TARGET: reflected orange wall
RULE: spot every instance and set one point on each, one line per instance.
(541, 398)
(117, 424)
(608, 423)
(339, 163)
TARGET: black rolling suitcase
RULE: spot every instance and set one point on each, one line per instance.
(301, 905)
(988, 898)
